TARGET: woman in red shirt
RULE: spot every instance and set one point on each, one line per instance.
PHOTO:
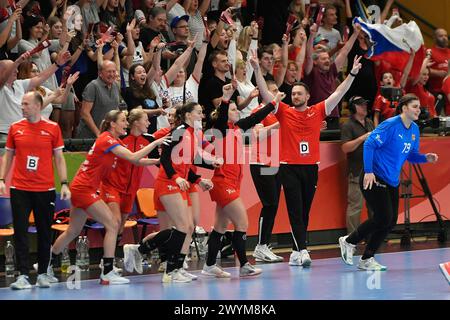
(171, 197)
(119, 189)
(100, 162)
(227, 180)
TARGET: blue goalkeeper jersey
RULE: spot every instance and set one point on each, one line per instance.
(389, 146)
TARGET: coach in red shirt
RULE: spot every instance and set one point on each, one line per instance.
(300, 126)
(440, 54)
(33, 141)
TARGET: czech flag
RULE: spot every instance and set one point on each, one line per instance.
(392, 45)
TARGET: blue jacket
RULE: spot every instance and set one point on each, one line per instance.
(389, 146)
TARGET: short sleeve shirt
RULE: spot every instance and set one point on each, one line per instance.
(300, 133)
(33, 145)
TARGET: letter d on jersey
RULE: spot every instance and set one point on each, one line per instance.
(304, 147)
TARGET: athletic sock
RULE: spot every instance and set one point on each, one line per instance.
(107, 265)
(214, 241)
(158, 240)
(239, 239)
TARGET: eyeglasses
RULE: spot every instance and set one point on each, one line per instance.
(182, 27)
(34, 70)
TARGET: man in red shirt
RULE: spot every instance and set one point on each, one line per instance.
(299, 152)
(440, 54)
(34, 141)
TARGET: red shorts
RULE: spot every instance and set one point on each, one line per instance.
(83, 197)
(165, 187)
(225, 191)
(125, 201)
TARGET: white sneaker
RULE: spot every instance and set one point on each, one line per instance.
(187, 274)
(162, 266)
(300, 258)
(50, 274)
(248, 270)
(132, 258)
(185, 264)
(263, 253)
(21, 283)
(371, 265)
(445, 268)
(175, 276)
(112, 278)
(118, 270)
(43, 281)
(215, 271)
(347, 250)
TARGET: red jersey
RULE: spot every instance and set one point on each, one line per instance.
(99, 162)
(232, 159)
(300, 133)
(34, 144)
(383, 106)
(177, 158)
(127, 176)
(446, 91)
(440, 56)
(262, 152)
(427, 100)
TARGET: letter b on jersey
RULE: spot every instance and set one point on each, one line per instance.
(32, 163)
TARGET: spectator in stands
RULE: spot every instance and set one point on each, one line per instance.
(213, 87)
(141, 15)
(321, 73)
(244, 42)
(156, 26)
(383, 107)
(29, 70)
(196, 12)
(140, 56)
(10, 36)
(330, 19)
(100, 96)
(353, 134)
(182, 91)
(417, 87)
(114, 13)
(13, 90)
(440, 55)
(89, 10)
(247, 100)
(180, 30)
(266, 62)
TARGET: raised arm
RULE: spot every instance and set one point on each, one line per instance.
(197, 73)
(386, 10)
(332, 101)
(61, 59)
(5, 34)
(300, 61)
(134, 157)
(284, 61)
(408, 68)
(179, 63)
(343, 53)
(203, 8)
(310, 49)
(260, 82)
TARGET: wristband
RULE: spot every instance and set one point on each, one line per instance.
(352, 74)
(64, 182)
(2, 179)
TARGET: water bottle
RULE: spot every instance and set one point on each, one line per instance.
(9, 260)
(79, 247)
(65, 261)
(85, 266)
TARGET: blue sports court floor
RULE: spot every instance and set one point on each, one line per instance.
(410, 275)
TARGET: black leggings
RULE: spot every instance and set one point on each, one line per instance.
(43, 206)
(268, 187)
(299, 185)
(383, 200)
